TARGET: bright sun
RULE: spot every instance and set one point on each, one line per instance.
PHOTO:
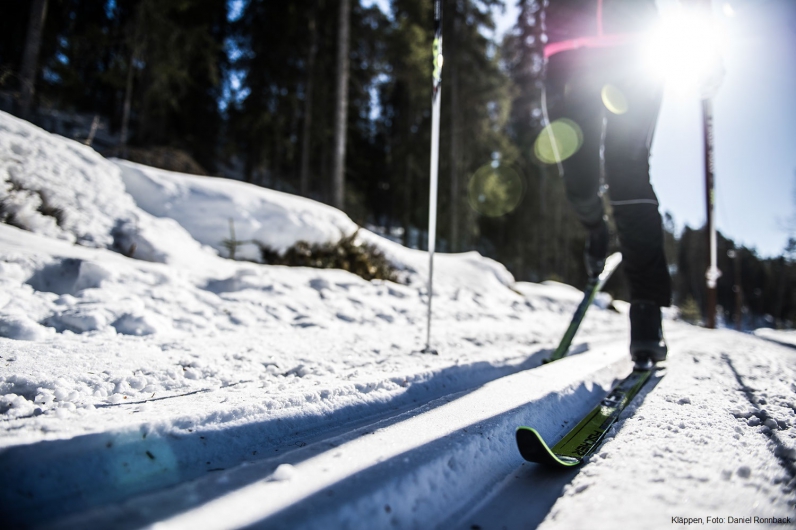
(684, 48)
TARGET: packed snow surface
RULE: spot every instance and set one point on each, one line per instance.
(786, 337)
(145, 378)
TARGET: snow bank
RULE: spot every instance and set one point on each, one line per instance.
(205, 206)
(229, 356)
(58, 188)
(64, 298)
(62, 189)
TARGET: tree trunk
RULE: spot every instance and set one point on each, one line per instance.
(30, 57)
(136, 50)
(455, 158)
(128, 99)
(341, 107)
(406, 214)
(304, 176)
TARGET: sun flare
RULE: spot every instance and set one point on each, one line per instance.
(684, 48)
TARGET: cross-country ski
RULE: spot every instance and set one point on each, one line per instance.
(587, 435)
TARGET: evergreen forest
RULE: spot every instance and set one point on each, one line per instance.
(251, 90)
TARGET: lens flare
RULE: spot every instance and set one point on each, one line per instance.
(134, 460)
(614, 100)
(495, 191)
(558, 141)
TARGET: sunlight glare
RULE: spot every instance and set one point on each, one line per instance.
(684, 48)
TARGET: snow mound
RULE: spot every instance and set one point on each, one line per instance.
(21, 327)
(204, 206)
(65, 190)
(453, 272)
(57, 187)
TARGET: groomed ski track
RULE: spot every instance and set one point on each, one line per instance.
(50, 480)
(383, 474)
(394, 471)
(452, 463)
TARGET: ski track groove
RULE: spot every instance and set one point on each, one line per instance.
(436, 452)
(57, 477)
(780, 448)
(320, 436)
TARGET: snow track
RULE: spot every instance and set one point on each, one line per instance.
(416, 469)
(452, 462)
(50, 479)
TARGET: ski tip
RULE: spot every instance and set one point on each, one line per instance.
(534, 449)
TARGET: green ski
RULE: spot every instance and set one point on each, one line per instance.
(594, 286)
(587, 435)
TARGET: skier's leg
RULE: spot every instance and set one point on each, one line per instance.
(635, 208)
(582, 170)
(634, 203)
(574, 91)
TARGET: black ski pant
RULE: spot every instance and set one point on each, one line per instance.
(617, 125)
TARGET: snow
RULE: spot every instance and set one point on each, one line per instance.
(146, 379)
(786, 337)
(691, 442)
(205, 206)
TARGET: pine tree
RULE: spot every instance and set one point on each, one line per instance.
(550, 237)
(309, 90)
(341, 105)
(182, 57)
(476, 101)
(13, 32)
(30, 58)
(405, 119)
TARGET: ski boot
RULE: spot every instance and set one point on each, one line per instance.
(647, 345)
(596, 249)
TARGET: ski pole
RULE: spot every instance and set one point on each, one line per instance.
(713, 273)
(435, 112)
